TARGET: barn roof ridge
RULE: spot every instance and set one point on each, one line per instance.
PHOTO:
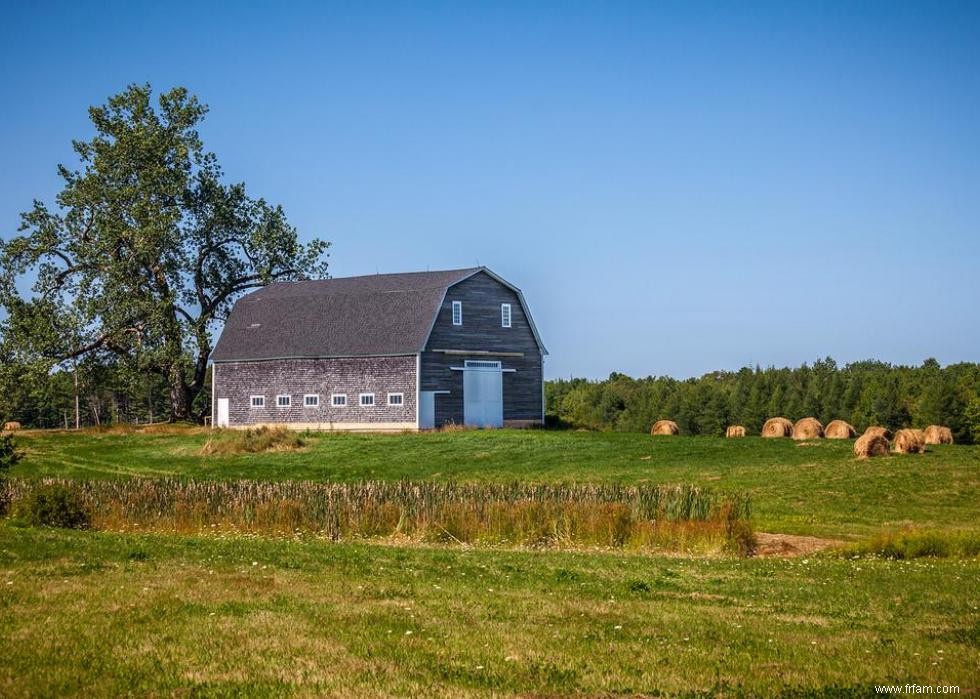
(359, 316)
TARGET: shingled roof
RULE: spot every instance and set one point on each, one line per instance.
(381, 314)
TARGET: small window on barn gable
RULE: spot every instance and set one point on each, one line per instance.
(367, 399)
(258, 401)
(283, 401)
(338, 400)
(457, 312)
(396, 399)
(505, 315)
(311, 400)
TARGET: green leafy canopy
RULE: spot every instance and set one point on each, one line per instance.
(147, 248)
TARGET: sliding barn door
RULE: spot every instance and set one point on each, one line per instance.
(483, 394)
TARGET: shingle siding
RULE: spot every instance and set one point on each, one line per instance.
(238, 381)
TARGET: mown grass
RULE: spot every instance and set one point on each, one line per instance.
(91, 614)
(815, 488)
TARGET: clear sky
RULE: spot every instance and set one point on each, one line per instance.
(677, 187)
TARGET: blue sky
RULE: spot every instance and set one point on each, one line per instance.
(677, 187)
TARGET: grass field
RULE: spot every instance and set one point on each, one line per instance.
(108, 614)
(93, 613)
(813, 488)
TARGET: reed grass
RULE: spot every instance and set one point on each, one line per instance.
(251, 441)
(681, 518)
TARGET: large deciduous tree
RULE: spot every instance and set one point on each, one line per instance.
(147, 248)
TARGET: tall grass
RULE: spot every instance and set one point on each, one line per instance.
(251, 441)
(675, 518)
(910, 543)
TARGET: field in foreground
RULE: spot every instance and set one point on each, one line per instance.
(815, 488)
(107, 614)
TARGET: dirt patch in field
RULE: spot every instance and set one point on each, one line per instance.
(791, 544)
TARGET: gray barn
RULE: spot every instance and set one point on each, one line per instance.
(382, 352)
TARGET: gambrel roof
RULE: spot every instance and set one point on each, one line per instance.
(369, 316)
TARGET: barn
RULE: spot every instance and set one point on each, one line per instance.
(383, 352)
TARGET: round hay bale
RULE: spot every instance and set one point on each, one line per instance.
(838, 429)
(868, 445)
(664, 427)
(735, 431)
(777, 427)
(11, 426)
(938, 434)
(880, 431)
(909, 442)
(808, 428)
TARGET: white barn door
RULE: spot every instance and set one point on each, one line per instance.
(427, 410)
(483, 394)
(222, 417)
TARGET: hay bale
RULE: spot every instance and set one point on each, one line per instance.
(664, 427)
(808, 428)
(938, 434)
(735, 431)
(909, 442)
(868, 445)
(12, 426)
(880, 431)
(838, 429)
(777, 427)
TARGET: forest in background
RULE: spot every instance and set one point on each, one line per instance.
(863, 393)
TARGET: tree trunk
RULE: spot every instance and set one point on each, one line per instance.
(200, 370)
(180, 395)
(78, 416)
(93, 404)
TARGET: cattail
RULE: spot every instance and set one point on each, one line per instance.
(518, 513)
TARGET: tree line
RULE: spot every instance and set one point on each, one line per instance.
(94, 391)
(863, 393)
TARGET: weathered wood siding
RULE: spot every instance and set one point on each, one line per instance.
(481, 296)
(238, 381)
